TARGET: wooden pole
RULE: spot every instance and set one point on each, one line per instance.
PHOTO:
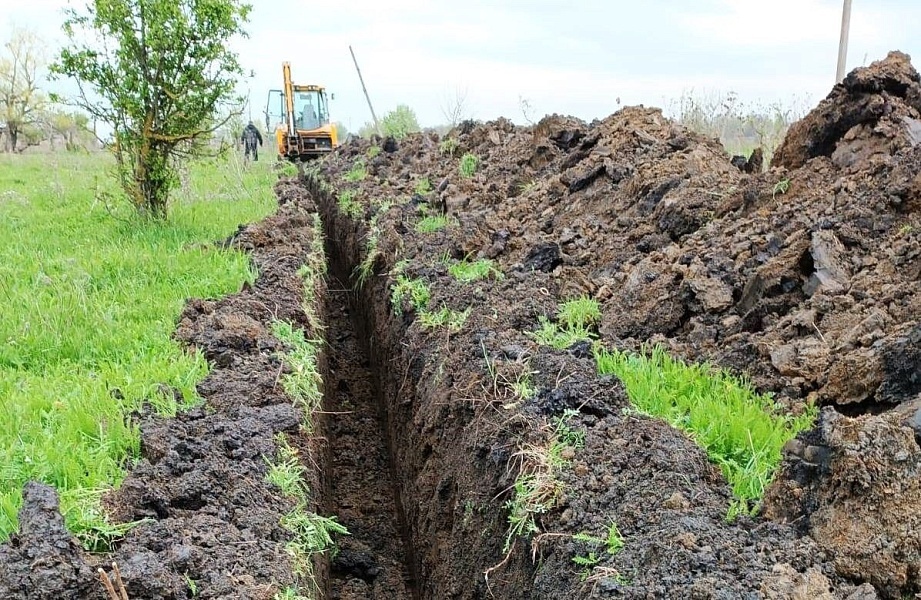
(377, 126)
(842, 44)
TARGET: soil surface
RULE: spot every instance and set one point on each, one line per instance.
(804, 278)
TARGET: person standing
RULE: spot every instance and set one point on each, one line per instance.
(250, 138)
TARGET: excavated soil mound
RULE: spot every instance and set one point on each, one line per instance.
(200, 483)
(805, 279)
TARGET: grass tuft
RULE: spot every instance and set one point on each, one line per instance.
(303, 383)
(468, 165)
(537, 487)
(348, 205)
(445, 317)
(576, 322)
(433, 223)
(472, 271)
(742, 431)
(448, 146)
(423, 187)
(417, 290)
(358, 172)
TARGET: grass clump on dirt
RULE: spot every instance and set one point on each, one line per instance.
(576, 320)
(373, 151)
(433, 223)
(467, 271)
(312, 532)
(423, 187)
(416, 290)
(90, 304)
(357, 173)
(372, 250)
(303, 383)
(348, 205)
(468, 165)
(448, 318)
(448, 146)
(537, 486)
(741, 430)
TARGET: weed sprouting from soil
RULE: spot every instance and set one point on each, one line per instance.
(290, 593)
(537, 486)
(303, 383)
(86, 519)
(560, 338)
(576, 320)
(741, 430)
(579, 314)
(286, 470)
(612, 544)
(416, 290)
(365, 269)
(423, 187)
(448, 146)
(433, 223)
(445, 317)
(358, 172)
(483, 268)
(373, 151)
(348, 205)
(312, 532)
(523, 386)
(780, 188)
(468, 165)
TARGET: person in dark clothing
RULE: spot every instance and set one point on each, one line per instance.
(249, 138)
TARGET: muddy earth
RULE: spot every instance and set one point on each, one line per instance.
(805, 278)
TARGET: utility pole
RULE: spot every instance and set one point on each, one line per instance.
(842, 44)
(377, 126)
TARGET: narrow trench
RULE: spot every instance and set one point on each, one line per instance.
(375, 560)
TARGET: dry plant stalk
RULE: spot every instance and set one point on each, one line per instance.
(122, 593)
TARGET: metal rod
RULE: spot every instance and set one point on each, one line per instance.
(842, 44)
(377, 126)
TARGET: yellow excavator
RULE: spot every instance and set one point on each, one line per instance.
(300, 116)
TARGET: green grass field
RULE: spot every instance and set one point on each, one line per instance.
(90, 298)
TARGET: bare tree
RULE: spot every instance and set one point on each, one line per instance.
(21, 101)
(454, 109)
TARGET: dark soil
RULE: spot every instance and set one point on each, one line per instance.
(802, 278)
(372, 561)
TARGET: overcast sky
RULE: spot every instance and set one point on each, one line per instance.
(572, 57)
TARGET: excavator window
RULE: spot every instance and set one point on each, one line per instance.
(310, 109)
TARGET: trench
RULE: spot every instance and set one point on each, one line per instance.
(425, 513)
(375, 560)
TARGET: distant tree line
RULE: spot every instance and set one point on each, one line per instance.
(28, 116)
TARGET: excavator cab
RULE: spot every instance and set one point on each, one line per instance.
(299, 116)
